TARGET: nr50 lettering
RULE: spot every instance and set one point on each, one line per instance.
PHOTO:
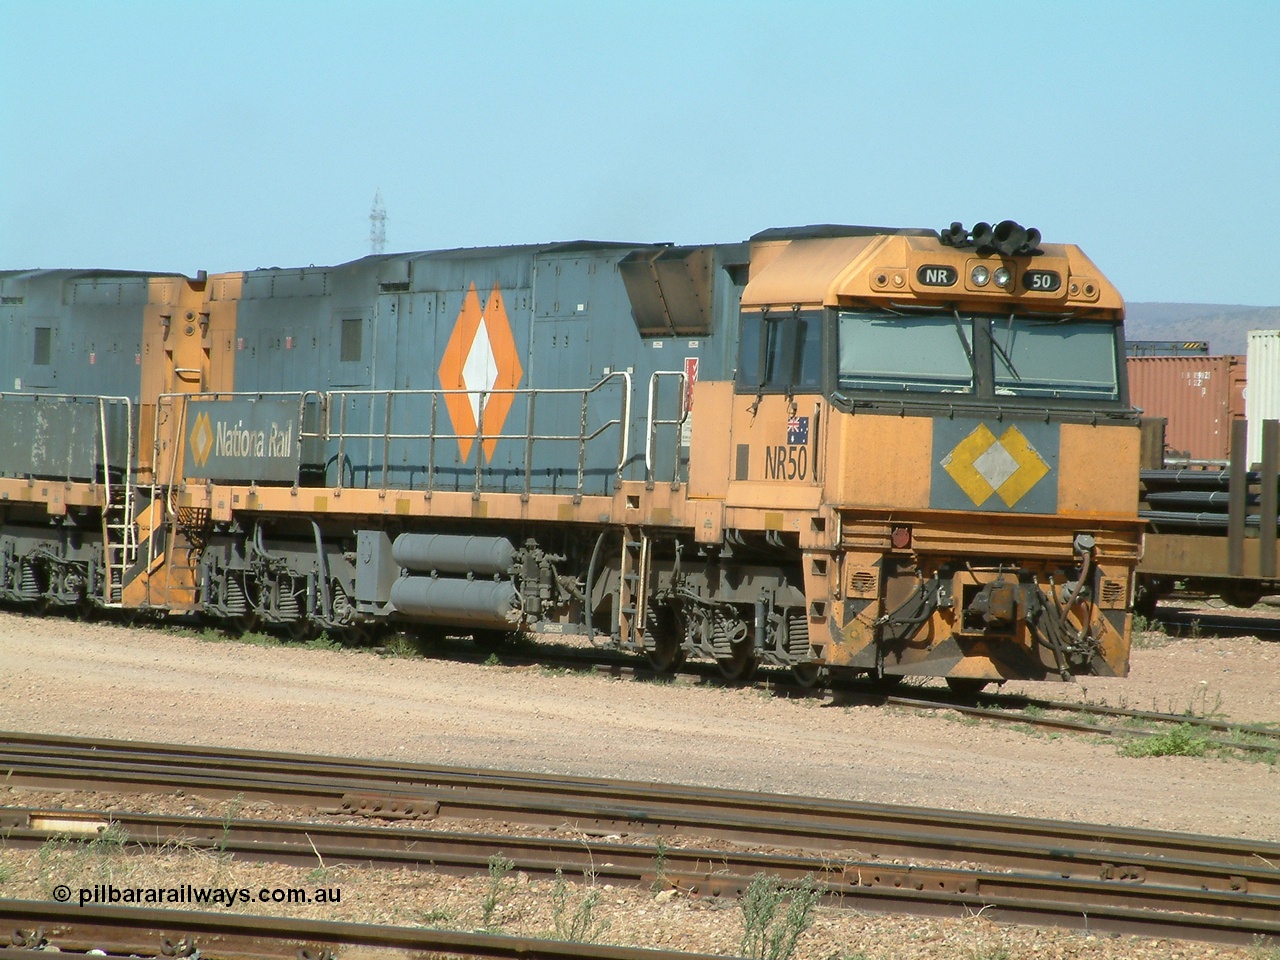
(784, 462)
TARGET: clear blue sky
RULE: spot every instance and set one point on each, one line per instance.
(225, 135)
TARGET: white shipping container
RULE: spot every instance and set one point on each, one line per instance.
(1262, 389)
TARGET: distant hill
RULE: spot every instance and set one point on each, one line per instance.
(1225, 326)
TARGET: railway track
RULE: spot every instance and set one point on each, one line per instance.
(40, 925)
(1014, 708)
(1185, 621)
(856, 884)
(1058, 715)
(1123, 881)
(1047, 714)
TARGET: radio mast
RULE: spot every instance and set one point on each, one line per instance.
(377, 224)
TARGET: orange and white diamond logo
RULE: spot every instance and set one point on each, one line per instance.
(201, 439)
(480, 358)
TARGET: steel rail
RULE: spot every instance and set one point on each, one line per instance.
(1174, 887)
(187, 933)
(946, 700)
(1268, 738)
(392, 791)
(181, 933)
(1081, 726)
(619, 665)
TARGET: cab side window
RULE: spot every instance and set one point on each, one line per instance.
(780, 352)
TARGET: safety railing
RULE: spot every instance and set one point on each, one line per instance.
(653, 423)
(379, 420)
(66, 436)
(170, 431)
(383, 410)
(79, 438)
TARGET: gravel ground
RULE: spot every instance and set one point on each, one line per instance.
(109, 680)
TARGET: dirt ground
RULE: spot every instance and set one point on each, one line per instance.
(104, 679)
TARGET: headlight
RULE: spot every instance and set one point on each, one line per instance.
(1002, 277)
(979, 275)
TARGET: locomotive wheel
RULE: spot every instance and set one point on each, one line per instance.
(1242, 595)
(741, 665)
(301, 630)
(665, 655)
(808, 675)
(966, 686)
(665, 633)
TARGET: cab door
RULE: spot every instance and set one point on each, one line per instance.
(775, 421)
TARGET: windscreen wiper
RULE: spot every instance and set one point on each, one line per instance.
(968, 351)
(1008, 361)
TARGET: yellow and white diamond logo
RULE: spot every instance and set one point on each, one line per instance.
(201, 439)
(982, 464)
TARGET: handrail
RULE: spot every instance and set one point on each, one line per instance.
(327, 430)
(102, 401)
(652, 422)
(479, 437)
(100, 474)
(177, 436)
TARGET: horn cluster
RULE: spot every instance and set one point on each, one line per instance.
(1007, 238)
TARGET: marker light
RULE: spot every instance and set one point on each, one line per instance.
(1002, 277)
(980, 275)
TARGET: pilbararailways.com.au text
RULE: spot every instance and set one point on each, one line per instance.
(189, 895)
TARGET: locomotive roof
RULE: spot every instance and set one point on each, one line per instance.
(460, 253)
(826, 231)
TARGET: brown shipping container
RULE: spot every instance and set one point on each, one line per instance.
(1198, 396)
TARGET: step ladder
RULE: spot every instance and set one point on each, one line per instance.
(119, 527)
(119, 541)
(184, 546)
(633, 588)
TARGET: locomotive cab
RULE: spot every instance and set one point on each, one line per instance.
(939, 427)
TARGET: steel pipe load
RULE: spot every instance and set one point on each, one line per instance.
(450, 553)
(468, 603)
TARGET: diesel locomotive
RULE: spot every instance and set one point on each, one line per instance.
(835, 449)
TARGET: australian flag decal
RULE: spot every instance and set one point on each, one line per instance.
(798, 431)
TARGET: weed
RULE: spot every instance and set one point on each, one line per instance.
(1262, 950)
(110, 840)
(400, 645)
(765, 934)
(499, 867)
(233, 811)
(1195, 629)
(986, 951)
(493, 660)
(1198, 703)
(1034, 712)
(431, 918)
(323, 642)
(45, 855)
(1148, 633)
(1182, 741)
(6, 874)
(321, 873)
(660, 866)
(577, 925)
(258, 639)
(1246, 741)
